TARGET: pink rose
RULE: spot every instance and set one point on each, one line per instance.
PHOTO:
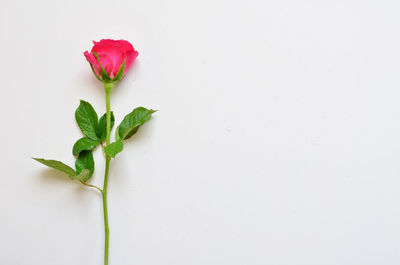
(111, 54)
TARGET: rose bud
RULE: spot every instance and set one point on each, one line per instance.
(111, 59)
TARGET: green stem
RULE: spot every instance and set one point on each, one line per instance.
(106, 228)
(107, 87)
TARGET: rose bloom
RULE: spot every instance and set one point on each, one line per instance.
(112, 54)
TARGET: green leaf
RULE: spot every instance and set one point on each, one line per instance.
(102, 129)
(85, 161)
(114, 148)
(131, 123)
(87, 119)
(120, 72)
(83, 176)
(60, 166)
(117, 137)
(84, 144)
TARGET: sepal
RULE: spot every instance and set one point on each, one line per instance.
(120, 72)
(103, 74)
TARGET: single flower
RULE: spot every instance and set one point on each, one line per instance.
(111, 59)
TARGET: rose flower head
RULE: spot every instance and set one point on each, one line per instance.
(111, 59)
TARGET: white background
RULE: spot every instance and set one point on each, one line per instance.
(276, 141)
